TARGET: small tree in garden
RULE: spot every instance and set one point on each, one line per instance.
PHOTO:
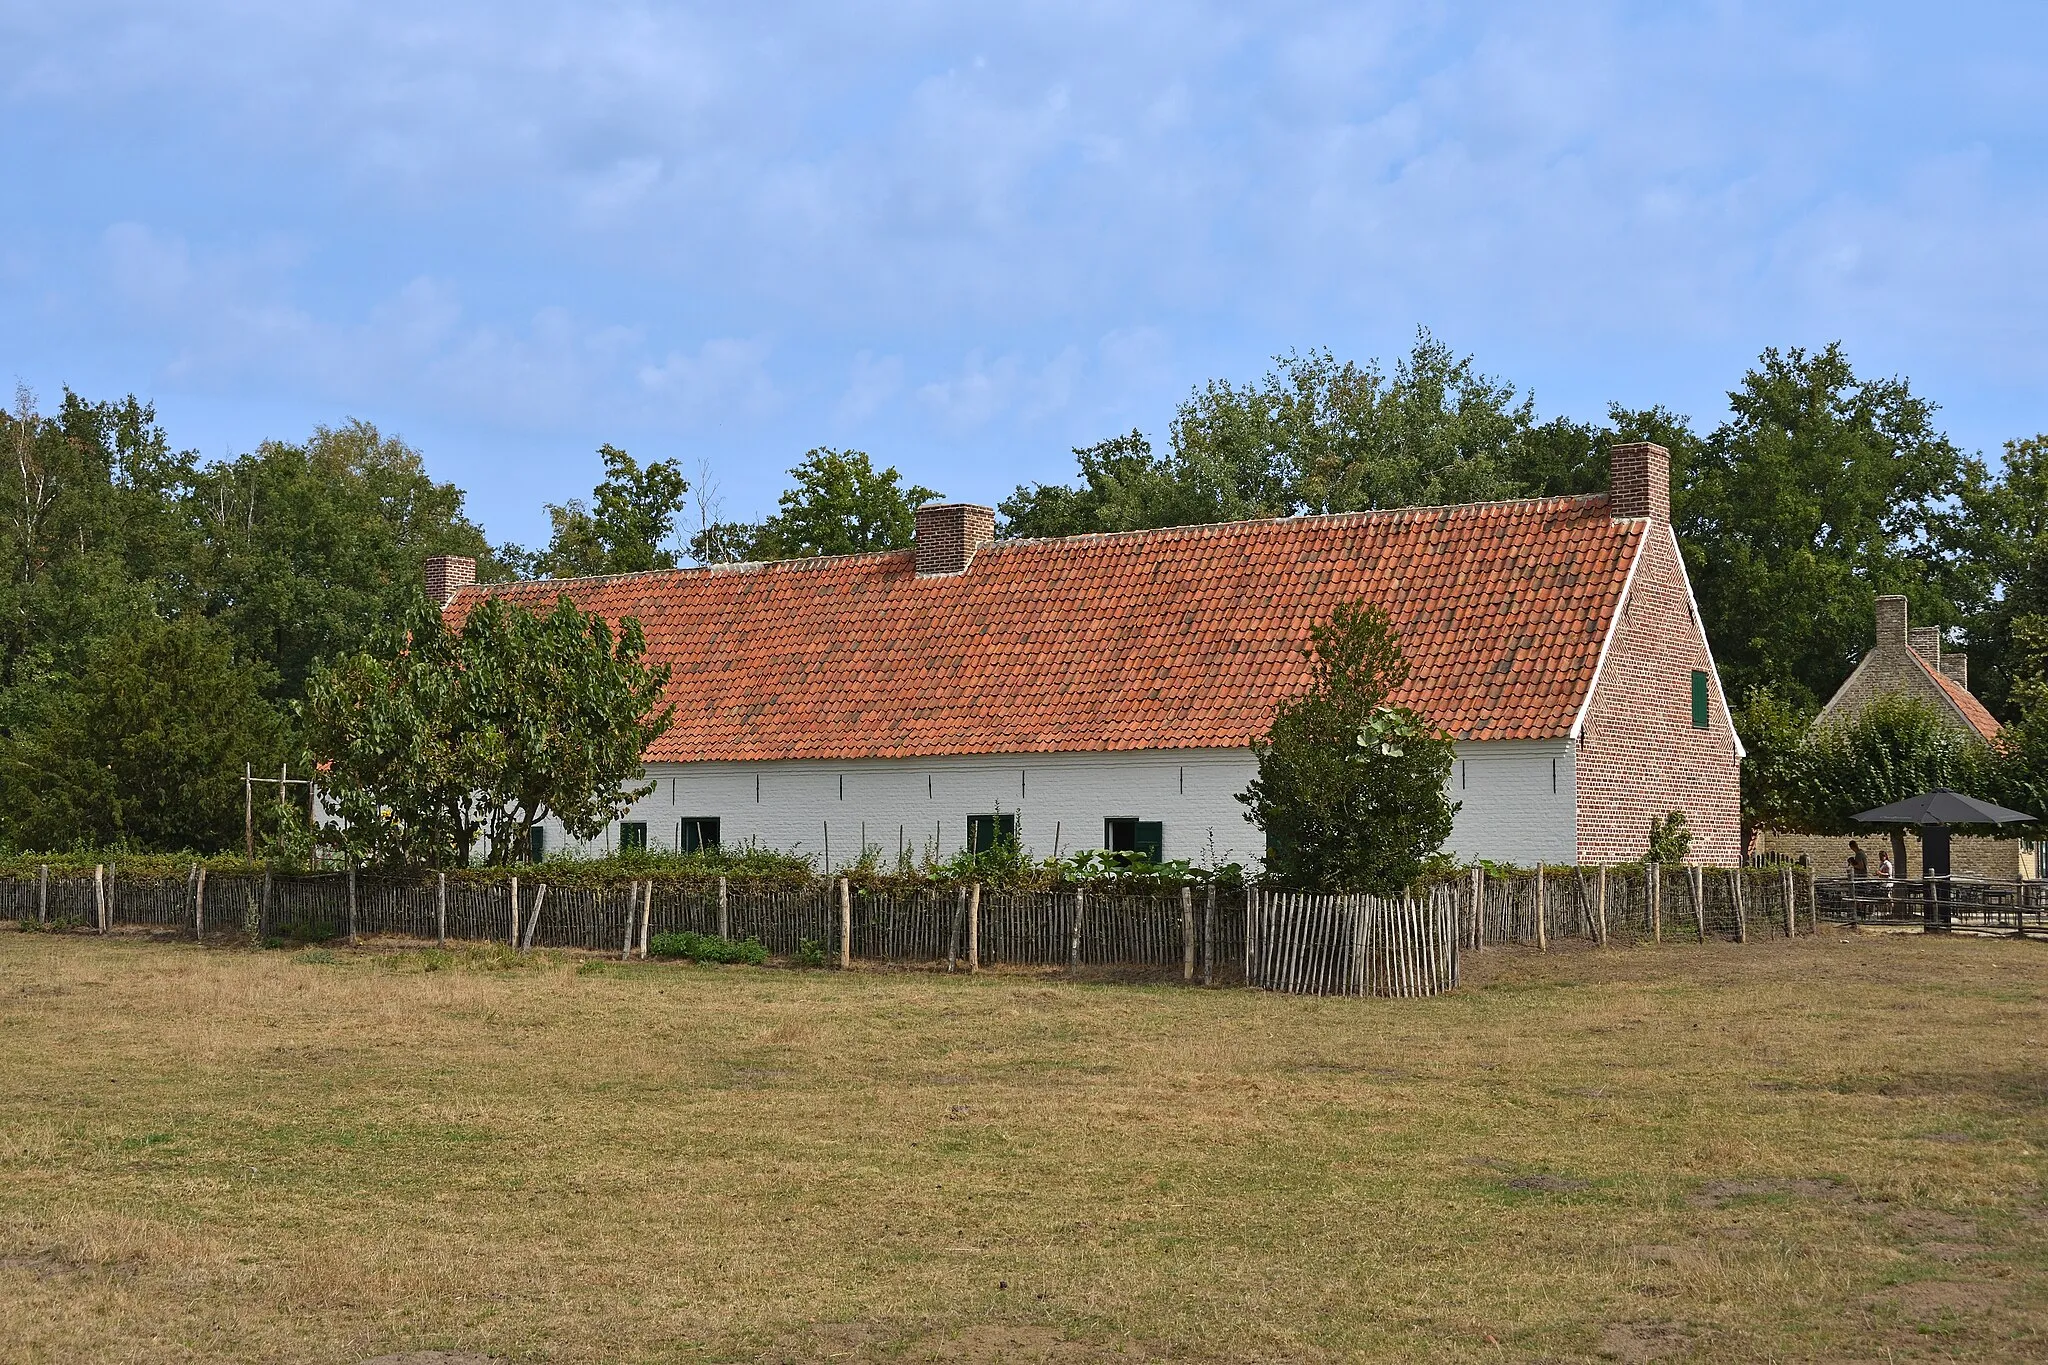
(569, 707)
(1351, 791)
(1670, 838)
(434, 741)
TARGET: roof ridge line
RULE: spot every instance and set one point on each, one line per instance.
(1421, 509)
(683, 571)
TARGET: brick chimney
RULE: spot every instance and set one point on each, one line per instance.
(948, 534)
(447, 575)
(1957, 667)
(1926, 642)
(1639, 481)
(1892, 632)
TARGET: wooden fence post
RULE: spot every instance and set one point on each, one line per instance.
(1812, 905)
(1785, 892)
(533, 917)
(1074, 940)
(1602, 922)
(845, 926)
(1741, 918)
(1696, 889)
(632, 913)
(646, 917)
(99, 896)
(1209, 936)
(974, 927)
(515, 914)
(199, 908)
(1655, 876)
(351, 904)
(724, 924)
(1187, 934)
(1478, 907)
(43, 895)
(441, 910)
(1542, 913)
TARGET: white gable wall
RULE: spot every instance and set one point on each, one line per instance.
(1518, 803)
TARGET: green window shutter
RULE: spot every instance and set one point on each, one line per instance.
(633, 837)
(1699, 700)
(985, 832)
(1151, 840)
(537, 844)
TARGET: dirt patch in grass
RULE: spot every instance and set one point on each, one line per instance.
(1696, 1153)
(1929, 1299)
(1639, 1343)
(1933, 1224)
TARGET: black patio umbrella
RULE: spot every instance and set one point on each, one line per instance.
(1934, 812)
(1943, 807)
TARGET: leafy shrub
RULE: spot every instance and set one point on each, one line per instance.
(707, 948)
(810, 953)
(1670, 840)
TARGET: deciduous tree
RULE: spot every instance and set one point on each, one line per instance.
(837, 504)
(1351, 790)
(626, 527)
(437, 741)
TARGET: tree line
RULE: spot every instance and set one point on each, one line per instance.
(170, 619)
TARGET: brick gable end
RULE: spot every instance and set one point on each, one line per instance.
(1639, 755)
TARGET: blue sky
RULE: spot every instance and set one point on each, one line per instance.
(966, 241)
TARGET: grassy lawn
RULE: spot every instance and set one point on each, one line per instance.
(1828, 1150)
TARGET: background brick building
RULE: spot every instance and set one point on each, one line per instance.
(1908, 660)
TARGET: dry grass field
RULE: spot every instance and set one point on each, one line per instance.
(1828, 1150)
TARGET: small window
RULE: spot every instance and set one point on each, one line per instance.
(699, 835)
(633, 836)
(537, 845)
(1699, 700)
(1123, 834)
(984, 832)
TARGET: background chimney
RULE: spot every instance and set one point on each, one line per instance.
(1639, 481)
(1926, 642)
(447, 575)
(1957, 666)
(1891, 621)
(948, 534)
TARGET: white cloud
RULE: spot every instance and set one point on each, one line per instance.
(873, 382)
(984, 390)
(1010, 223)
(724, 375)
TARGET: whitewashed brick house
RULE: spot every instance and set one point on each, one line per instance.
(1102, 691)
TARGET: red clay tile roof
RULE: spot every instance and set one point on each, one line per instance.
(1180, 638)
(1981, 720)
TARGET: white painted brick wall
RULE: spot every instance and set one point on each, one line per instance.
(1518, 802)
(917, 803)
